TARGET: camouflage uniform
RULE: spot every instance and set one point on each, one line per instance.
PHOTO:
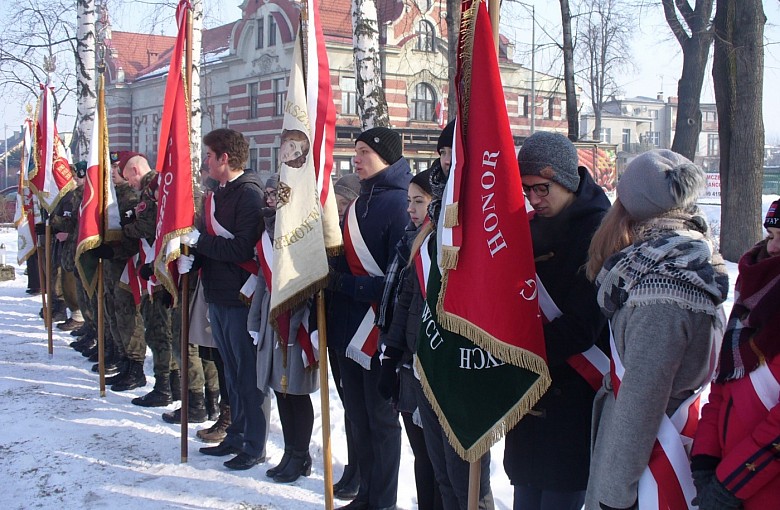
(156, 315)
(124, 318)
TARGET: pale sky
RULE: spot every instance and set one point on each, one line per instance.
(656, 53)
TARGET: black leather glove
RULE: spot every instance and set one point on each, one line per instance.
(715, 496)
(388, 375)
(127, 218)
(104, 251)
(40, 229)
(146, 271)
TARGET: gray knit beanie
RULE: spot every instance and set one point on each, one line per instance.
(658, 181)
(272, 182)
(384, 141)
(552, 156)
(348, 186)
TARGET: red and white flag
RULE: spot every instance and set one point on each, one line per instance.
(27, 212)
(176, 202)
(51, 178)
(441, 112)
(98, 212)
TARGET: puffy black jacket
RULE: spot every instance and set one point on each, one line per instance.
(237, 208)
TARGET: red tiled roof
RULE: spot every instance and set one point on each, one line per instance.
(135, 52)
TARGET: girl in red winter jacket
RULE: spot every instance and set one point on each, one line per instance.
(736, 451)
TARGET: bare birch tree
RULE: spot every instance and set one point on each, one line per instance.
(195, 105)
(86, 96)
(371, 100)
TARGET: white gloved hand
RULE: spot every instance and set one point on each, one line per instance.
(191, 238)
(255, 336)
(184, 263)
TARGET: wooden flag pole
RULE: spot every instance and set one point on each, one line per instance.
(47, 313)
(101, 329)
(325, 400)
(184, 339)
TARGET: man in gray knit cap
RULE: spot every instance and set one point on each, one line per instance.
(547, 455)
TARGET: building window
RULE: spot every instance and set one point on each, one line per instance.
(626, 140)
(344, 166)
(348, 96)
(424, 103)
(713, 145)
(545, 109)
(275, 159)
(563, 109)
(420, 165)
(260, 28)
(550, 108)
(425, 5)
(253, 100)
(271, 31)
(653, 114)
(710, 116)
(252, 163)
(280, 95)
(606, 135)
(522, 105)
(425, 36)
(653, 138)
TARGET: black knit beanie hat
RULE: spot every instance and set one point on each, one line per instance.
(446, 136)
(384, 141)
(423, 180)
(552, 156)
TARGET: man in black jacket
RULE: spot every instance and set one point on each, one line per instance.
(224, 246)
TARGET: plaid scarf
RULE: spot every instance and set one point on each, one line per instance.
(751, 336)
(671, 261)
(393, 276)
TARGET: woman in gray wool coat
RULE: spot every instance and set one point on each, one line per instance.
(661, 285)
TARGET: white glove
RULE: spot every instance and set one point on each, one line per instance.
(191, 238)
(184, 263)
(255, 336)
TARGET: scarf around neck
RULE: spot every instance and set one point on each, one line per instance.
(751, 336)
(671, 261)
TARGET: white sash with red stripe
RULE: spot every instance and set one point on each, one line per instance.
(666, 483)
(214, 228)
(307, 340)
(363, 344)
(592, 364)
(146, 256)
(130, 279)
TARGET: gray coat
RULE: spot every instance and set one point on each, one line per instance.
(300, 380)
(200, 328)
(665, 350)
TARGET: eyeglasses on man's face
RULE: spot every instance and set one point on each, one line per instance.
(540, 190)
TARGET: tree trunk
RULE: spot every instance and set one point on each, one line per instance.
(696, 50)
(453, 30)
(86, 98)
(371, 99)
(196, 115)
(572, 118)
(737, 70)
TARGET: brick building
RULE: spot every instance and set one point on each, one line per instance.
(245, 67)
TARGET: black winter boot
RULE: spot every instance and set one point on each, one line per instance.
(349, 484)
(175, 378)
(212, 404)
(160, 396)
(196, 410)
(288, 451)
(134, 378)
(124, 366)
(299, 465)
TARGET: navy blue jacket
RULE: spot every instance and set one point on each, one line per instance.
(382, 217)
(237, 208)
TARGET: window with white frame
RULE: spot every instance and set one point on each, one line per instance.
(605, 135)
(280, 95)
(713, 145)
(253, 100)
(348, 96)
(653, 114)
(424, 103)
(260, 36)
(626, 139)
(426, 36)
(545, 109)
(522, 105)
(252, 163)
(271, 31)
(563, 110)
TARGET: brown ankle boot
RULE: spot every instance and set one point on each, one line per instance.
(217, 432)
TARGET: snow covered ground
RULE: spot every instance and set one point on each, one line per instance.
(66, 447)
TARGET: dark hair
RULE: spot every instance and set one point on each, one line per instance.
(228, 141)
(298, 136)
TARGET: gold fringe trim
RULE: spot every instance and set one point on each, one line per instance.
(449, 258)
(334, 251)
(451, 215)
(165, 278)
(296, 300)
(498, 430)
(83, 247)
(468, 22)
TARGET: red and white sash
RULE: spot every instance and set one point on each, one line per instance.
(666, 483)
(592, 364)
(146, 256)
(310, 355)
(214, 228)
(363, 344)
(422, 265)
(130, 280)
(766, 386)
